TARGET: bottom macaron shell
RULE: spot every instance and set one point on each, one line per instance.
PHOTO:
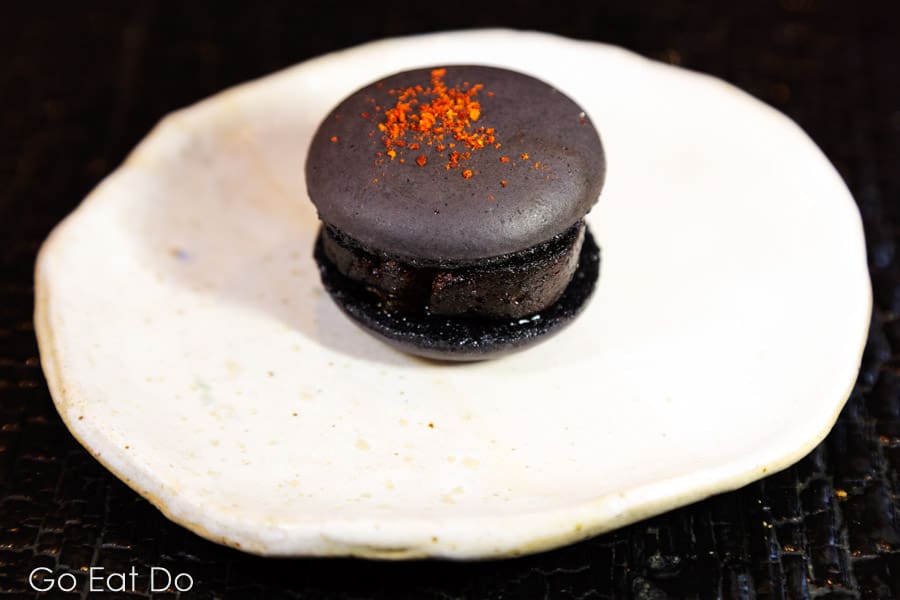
(460, 338)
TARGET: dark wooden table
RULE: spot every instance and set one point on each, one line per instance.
(81, 83)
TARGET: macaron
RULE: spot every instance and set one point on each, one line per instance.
(452, 202)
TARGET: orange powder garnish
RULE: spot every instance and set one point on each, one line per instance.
(524, 156)
(467, 173)
(421, 160)
(504, 159)
(503, 182)
(437, 116)
(334, 139)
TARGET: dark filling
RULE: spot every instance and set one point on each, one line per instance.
(508, 286)
(459, 337)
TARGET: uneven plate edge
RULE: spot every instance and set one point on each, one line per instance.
(585, 519)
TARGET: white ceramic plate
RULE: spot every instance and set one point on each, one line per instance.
(189, 345)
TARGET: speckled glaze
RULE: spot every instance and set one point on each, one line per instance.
(432, 214)
(188, 343)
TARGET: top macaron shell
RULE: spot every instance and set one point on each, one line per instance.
(432, 214)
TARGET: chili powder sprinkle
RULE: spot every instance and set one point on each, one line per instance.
(437, 116)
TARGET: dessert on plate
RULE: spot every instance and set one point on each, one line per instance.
(452, 202)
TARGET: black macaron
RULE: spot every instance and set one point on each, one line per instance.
(452, 202)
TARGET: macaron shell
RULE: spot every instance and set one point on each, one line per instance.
(553, 176)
